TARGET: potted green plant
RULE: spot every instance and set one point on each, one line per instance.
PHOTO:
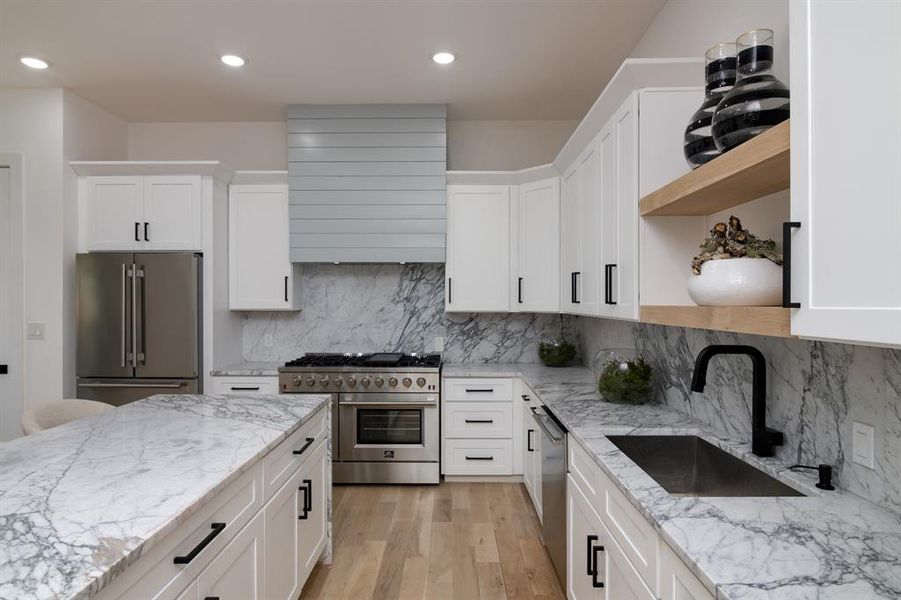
(624, 376)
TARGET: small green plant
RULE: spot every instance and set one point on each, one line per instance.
(626, 381)
(556, 352)
(731, 240)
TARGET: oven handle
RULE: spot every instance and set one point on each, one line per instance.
(381, 404)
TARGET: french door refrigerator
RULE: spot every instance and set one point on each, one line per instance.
(138, 325)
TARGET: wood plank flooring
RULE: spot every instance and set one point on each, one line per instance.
(455, 541)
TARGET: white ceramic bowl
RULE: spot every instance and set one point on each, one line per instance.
(737, 282)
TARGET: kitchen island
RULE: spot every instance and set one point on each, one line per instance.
(80, 504)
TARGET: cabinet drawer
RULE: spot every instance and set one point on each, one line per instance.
(282, 462)
(478, 420)
(156, 575)
(478, 390)
(478, 457)
(245, 385)
(587, 474)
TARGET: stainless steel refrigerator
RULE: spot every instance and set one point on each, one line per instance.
(138, 325)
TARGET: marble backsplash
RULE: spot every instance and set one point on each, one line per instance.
(390, 307)
(815, 391)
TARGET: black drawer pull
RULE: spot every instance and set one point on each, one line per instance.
(217, 528)
(787, 264)
(211, 598)
(594, 573)
(529, 440)
(236, 388)
(479, 390)
(305, 446)
(479, 458)
(480, 420)
(307, 489)
(525, 398)
(590, 539)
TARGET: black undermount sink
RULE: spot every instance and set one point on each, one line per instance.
(689, 466)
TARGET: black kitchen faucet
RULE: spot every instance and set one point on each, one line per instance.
(762, 437)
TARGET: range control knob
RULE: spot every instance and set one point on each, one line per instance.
(379, 382)
(365, 382)
(297, 381)
(324, 382)
(407, 382)
(311, 382)
(420, 381)
(351, 382)
(392, 381)
(338, 382)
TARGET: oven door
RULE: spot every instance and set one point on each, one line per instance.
(389, 427)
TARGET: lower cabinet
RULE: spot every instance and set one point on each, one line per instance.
(531, 465)
(676, 581)
(237, 572)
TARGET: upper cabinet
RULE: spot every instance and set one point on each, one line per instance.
(154, 212)
(478, 248)
(535, 227)
(261, 276)
(579, 233)
(845, 172)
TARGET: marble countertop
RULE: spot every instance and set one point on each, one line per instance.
(80, 501)
(248, 369)
(826, 545)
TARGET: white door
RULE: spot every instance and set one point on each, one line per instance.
(536, 472)
(478, 248)
(11, 326)
(313, 528)
(538, 247)
(172, 212)
(588, 281)
(115, 213)
(846, 170)
(237, 572)
(618, 156)
(582, 536)
(571, 238)
(529, 454)
(260, 271)
(282, 525)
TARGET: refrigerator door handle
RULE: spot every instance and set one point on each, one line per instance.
(124, 319)
(140, 357)
(167, 386)
(134, 313)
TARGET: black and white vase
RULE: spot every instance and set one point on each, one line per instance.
(719, 70)
(758, 100)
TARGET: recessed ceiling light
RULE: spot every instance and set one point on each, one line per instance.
(33, 62)
(443, 58)
(233, 60)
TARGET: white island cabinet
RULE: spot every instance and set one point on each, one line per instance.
(258, 538)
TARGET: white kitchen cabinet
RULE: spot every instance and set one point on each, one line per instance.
(237, 572)
(677, 582)
(261, 275)
(845, 172)
(478, 248)
(140, 213)
(531, 467)
(536, 237)
(580, 233)
(570, 238)
(618, 152)
(257, 385)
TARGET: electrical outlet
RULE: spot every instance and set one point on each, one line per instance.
(36, 331)
(268, 340)
(863, 444)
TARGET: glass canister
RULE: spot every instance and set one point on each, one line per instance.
(758, 100)
(624, 376)
(719, 70)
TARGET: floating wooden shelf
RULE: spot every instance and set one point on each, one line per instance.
(756, 168)
(759, 320)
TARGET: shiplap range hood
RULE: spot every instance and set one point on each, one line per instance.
(367, 182)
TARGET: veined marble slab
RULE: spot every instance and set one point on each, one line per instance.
(249, 369)
(828, 545)
(81, 501)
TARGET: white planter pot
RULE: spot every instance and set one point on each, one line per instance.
(737, 282)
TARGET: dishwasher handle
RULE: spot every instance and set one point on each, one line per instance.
(550, 429)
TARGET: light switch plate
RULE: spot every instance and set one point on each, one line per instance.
(36, 331)
(863, 444)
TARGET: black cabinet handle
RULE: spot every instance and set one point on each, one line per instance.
(217, 528)
(608, 283)
(575, 287)
(307, 489)
(137, 236)
(286, 288)
(529, 440)
(594, 574)
(479, 458)
(787, 264)
(589, 567)
(525, 398)
(519, 290)
(236, 388)
(479, 390)
(479, 420)
(146, 234)
(450, 290)
(305, 446)
(4, 369)
(211, 598)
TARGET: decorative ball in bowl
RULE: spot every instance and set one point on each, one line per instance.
(556, 352)
(624, 376)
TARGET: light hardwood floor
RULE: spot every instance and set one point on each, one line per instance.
(458, 541)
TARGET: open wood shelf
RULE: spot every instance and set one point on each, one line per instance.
(758, 320)
(756, 168)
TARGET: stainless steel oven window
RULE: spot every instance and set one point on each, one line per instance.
(394, 426)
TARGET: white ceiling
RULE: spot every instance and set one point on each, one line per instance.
(157, 60)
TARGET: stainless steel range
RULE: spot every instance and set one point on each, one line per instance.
(386, 413)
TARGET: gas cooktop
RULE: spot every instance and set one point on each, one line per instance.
(378, 372)
(380, 360)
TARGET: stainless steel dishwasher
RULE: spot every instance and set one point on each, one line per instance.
(553, 487)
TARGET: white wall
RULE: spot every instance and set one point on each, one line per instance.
(504, 145)
(685, 28)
